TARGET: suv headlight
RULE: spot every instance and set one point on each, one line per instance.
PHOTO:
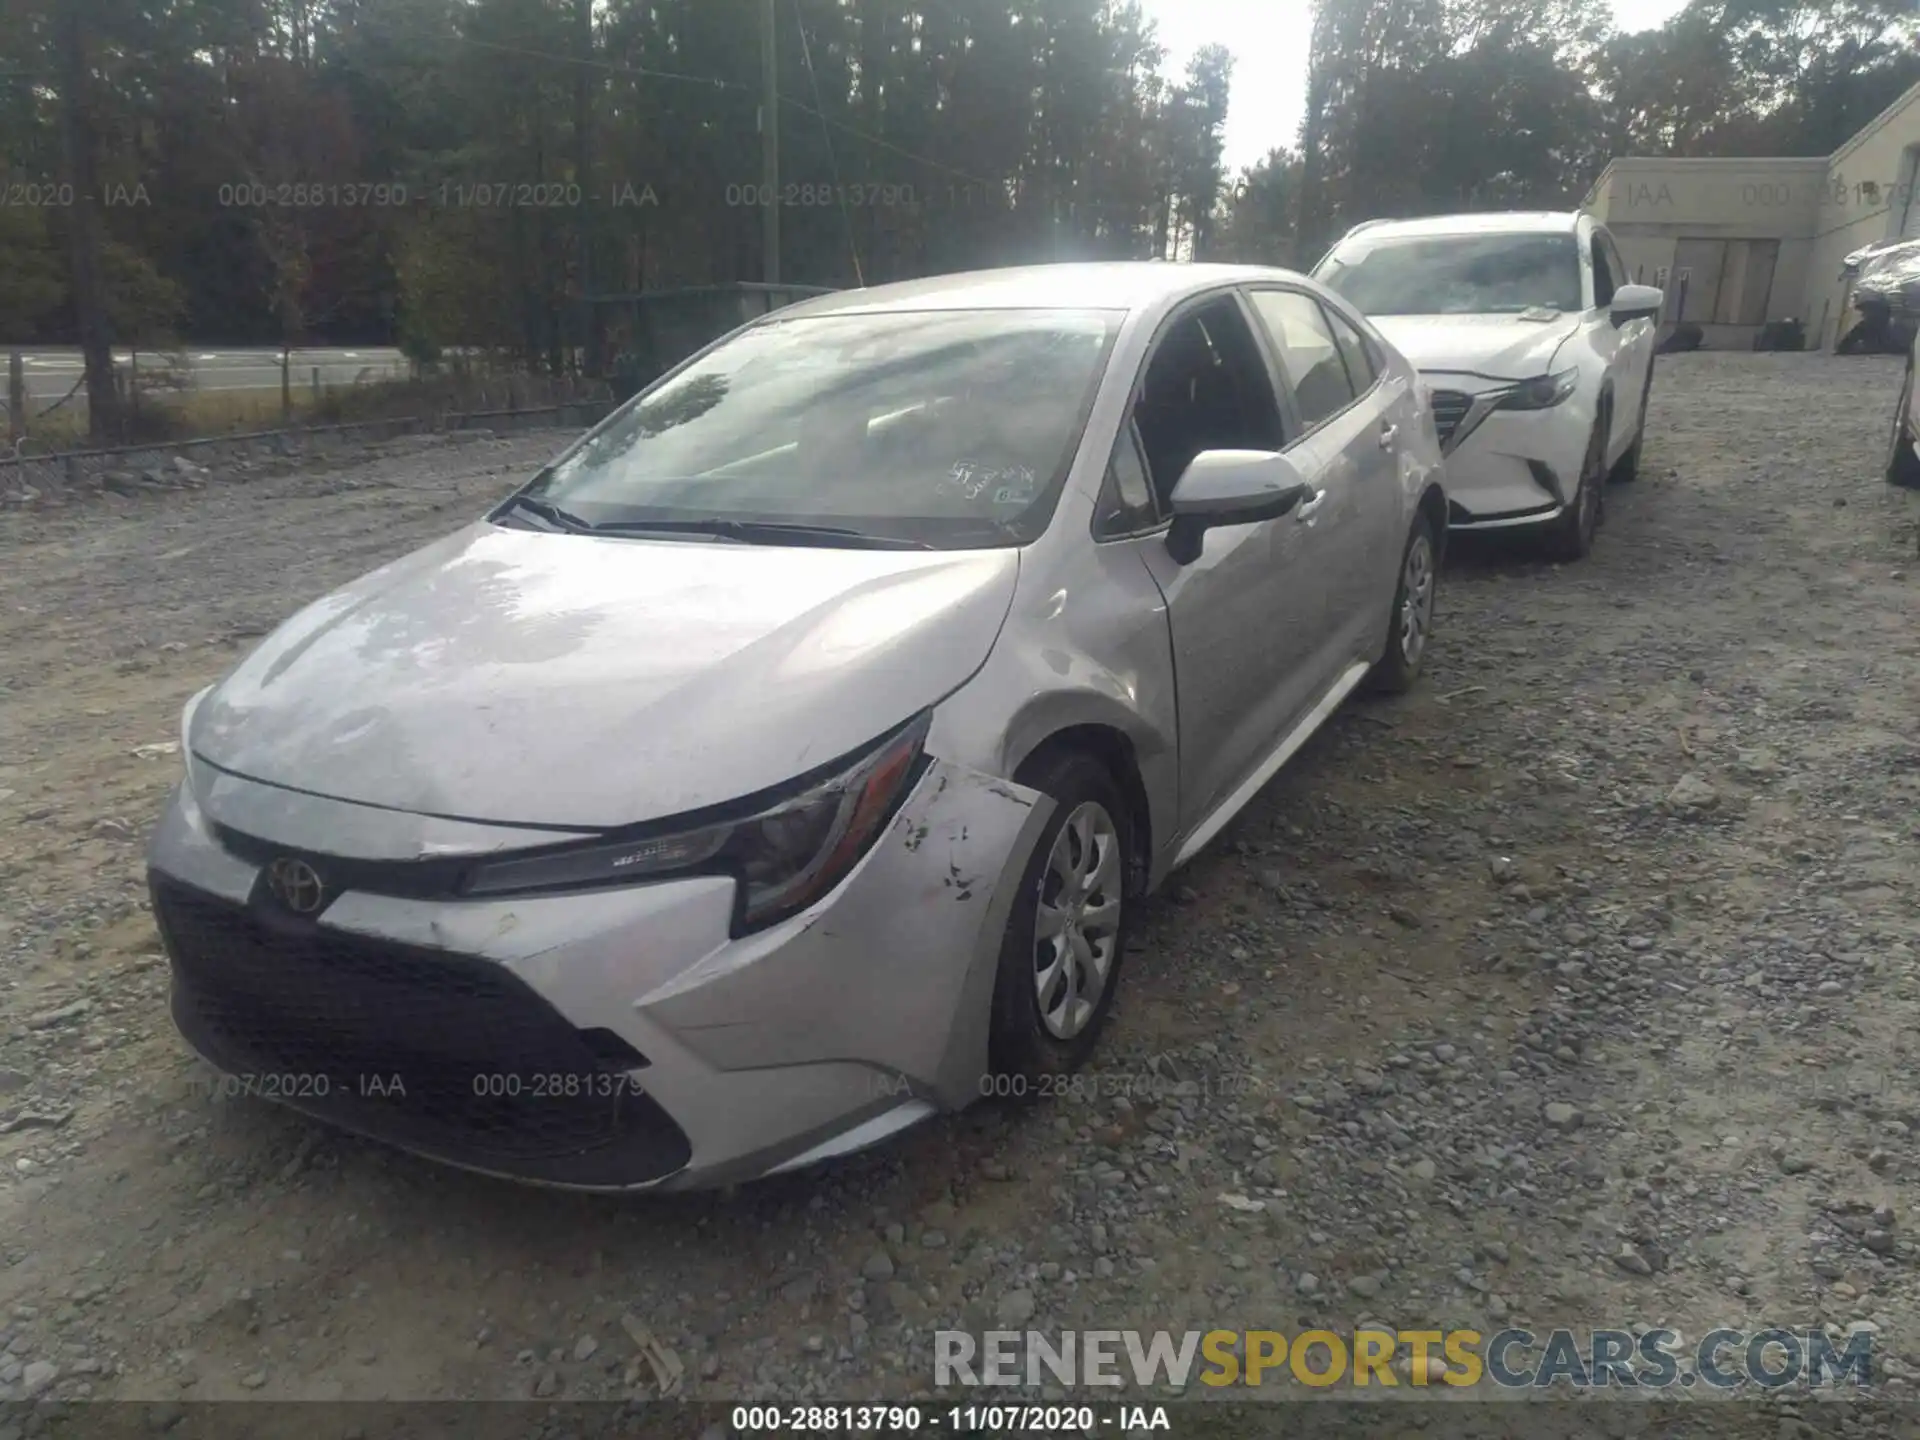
(785, 855)
(1542, 392)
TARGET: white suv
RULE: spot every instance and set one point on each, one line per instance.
(1536, 353)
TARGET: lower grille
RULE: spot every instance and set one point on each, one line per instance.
(446, 1054)
(1449, 409)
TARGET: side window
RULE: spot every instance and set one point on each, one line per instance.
(1309, 355)
(1205, 388)
(1126, 499)
(1621, 275)
(1361, 368)
(1605, 282)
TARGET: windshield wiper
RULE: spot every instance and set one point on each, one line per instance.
(548, 511)
(763, 532)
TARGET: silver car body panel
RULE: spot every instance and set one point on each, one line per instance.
(435, 684)
(503, 688)
(1222, 814)
(753, 1046)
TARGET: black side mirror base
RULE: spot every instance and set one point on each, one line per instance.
(1186, 538)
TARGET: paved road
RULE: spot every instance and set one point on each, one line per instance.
(50, 374)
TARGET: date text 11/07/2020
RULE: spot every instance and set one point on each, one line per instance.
(810, 195)
(447, 194)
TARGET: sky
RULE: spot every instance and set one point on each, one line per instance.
(1270, 52)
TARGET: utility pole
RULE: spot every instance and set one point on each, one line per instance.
(769, 143)
(83, 221)
(583, 84)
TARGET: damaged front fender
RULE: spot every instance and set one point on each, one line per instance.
(895, 970)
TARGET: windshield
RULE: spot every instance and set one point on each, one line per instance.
(1456, 274)
(952, 428)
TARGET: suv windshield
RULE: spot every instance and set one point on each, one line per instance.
(952, 428)
(1456, 274)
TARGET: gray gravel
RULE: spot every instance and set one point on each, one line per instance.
(1578, 987)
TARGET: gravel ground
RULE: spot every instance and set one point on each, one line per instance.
(1577, 987)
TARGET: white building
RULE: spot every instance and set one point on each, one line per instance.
(1737, 243)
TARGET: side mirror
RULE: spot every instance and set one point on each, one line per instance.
(1636, 302)
(1230, 487)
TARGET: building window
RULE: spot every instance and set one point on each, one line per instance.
(1723, 282)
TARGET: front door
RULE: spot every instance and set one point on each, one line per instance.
(1627, 350)
(1243, 623)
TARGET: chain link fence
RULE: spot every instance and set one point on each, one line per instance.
(34, 480)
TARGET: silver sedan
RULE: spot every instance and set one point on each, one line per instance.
(784, 763)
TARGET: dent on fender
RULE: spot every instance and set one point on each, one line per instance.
(937, 887)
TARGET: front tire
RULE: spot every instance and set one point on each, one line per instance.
(1410, 627)
(1572, 534)
(1903, 466)
(1060, 957)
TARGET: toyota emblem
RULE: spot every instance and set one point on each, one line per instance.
(296, 885)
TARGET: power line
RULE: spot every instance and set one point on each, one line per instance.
(873, 139)
(711, 81)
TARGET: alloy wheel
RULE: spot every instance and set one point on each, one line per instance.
(1077, 930)
(1591, 481)
(1416, 610)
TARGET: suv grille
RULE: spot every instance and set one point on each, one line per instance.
(488, 1074)
(1449, 409)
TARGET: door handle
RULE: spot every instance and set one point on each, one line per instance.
(1306, 509)
(1388, 430)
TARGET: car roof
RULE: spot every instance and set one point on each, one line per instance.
(1125, 285)
(1499, 222)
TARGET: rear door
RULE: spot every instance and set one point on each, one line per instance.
(1351, 418)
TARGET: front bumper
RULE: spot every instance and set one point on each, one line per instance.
(1509, 468)
(616, 1039)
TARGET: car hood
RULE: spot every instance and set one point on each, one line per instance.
(587, 682)
(1501, 347)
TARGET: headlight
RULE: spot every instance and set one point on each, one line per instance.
(1542, 392)
(186, 722)
(186, 754)
(785, 856)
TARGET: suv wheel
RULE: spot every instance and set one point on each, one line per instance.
(1573, 532)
